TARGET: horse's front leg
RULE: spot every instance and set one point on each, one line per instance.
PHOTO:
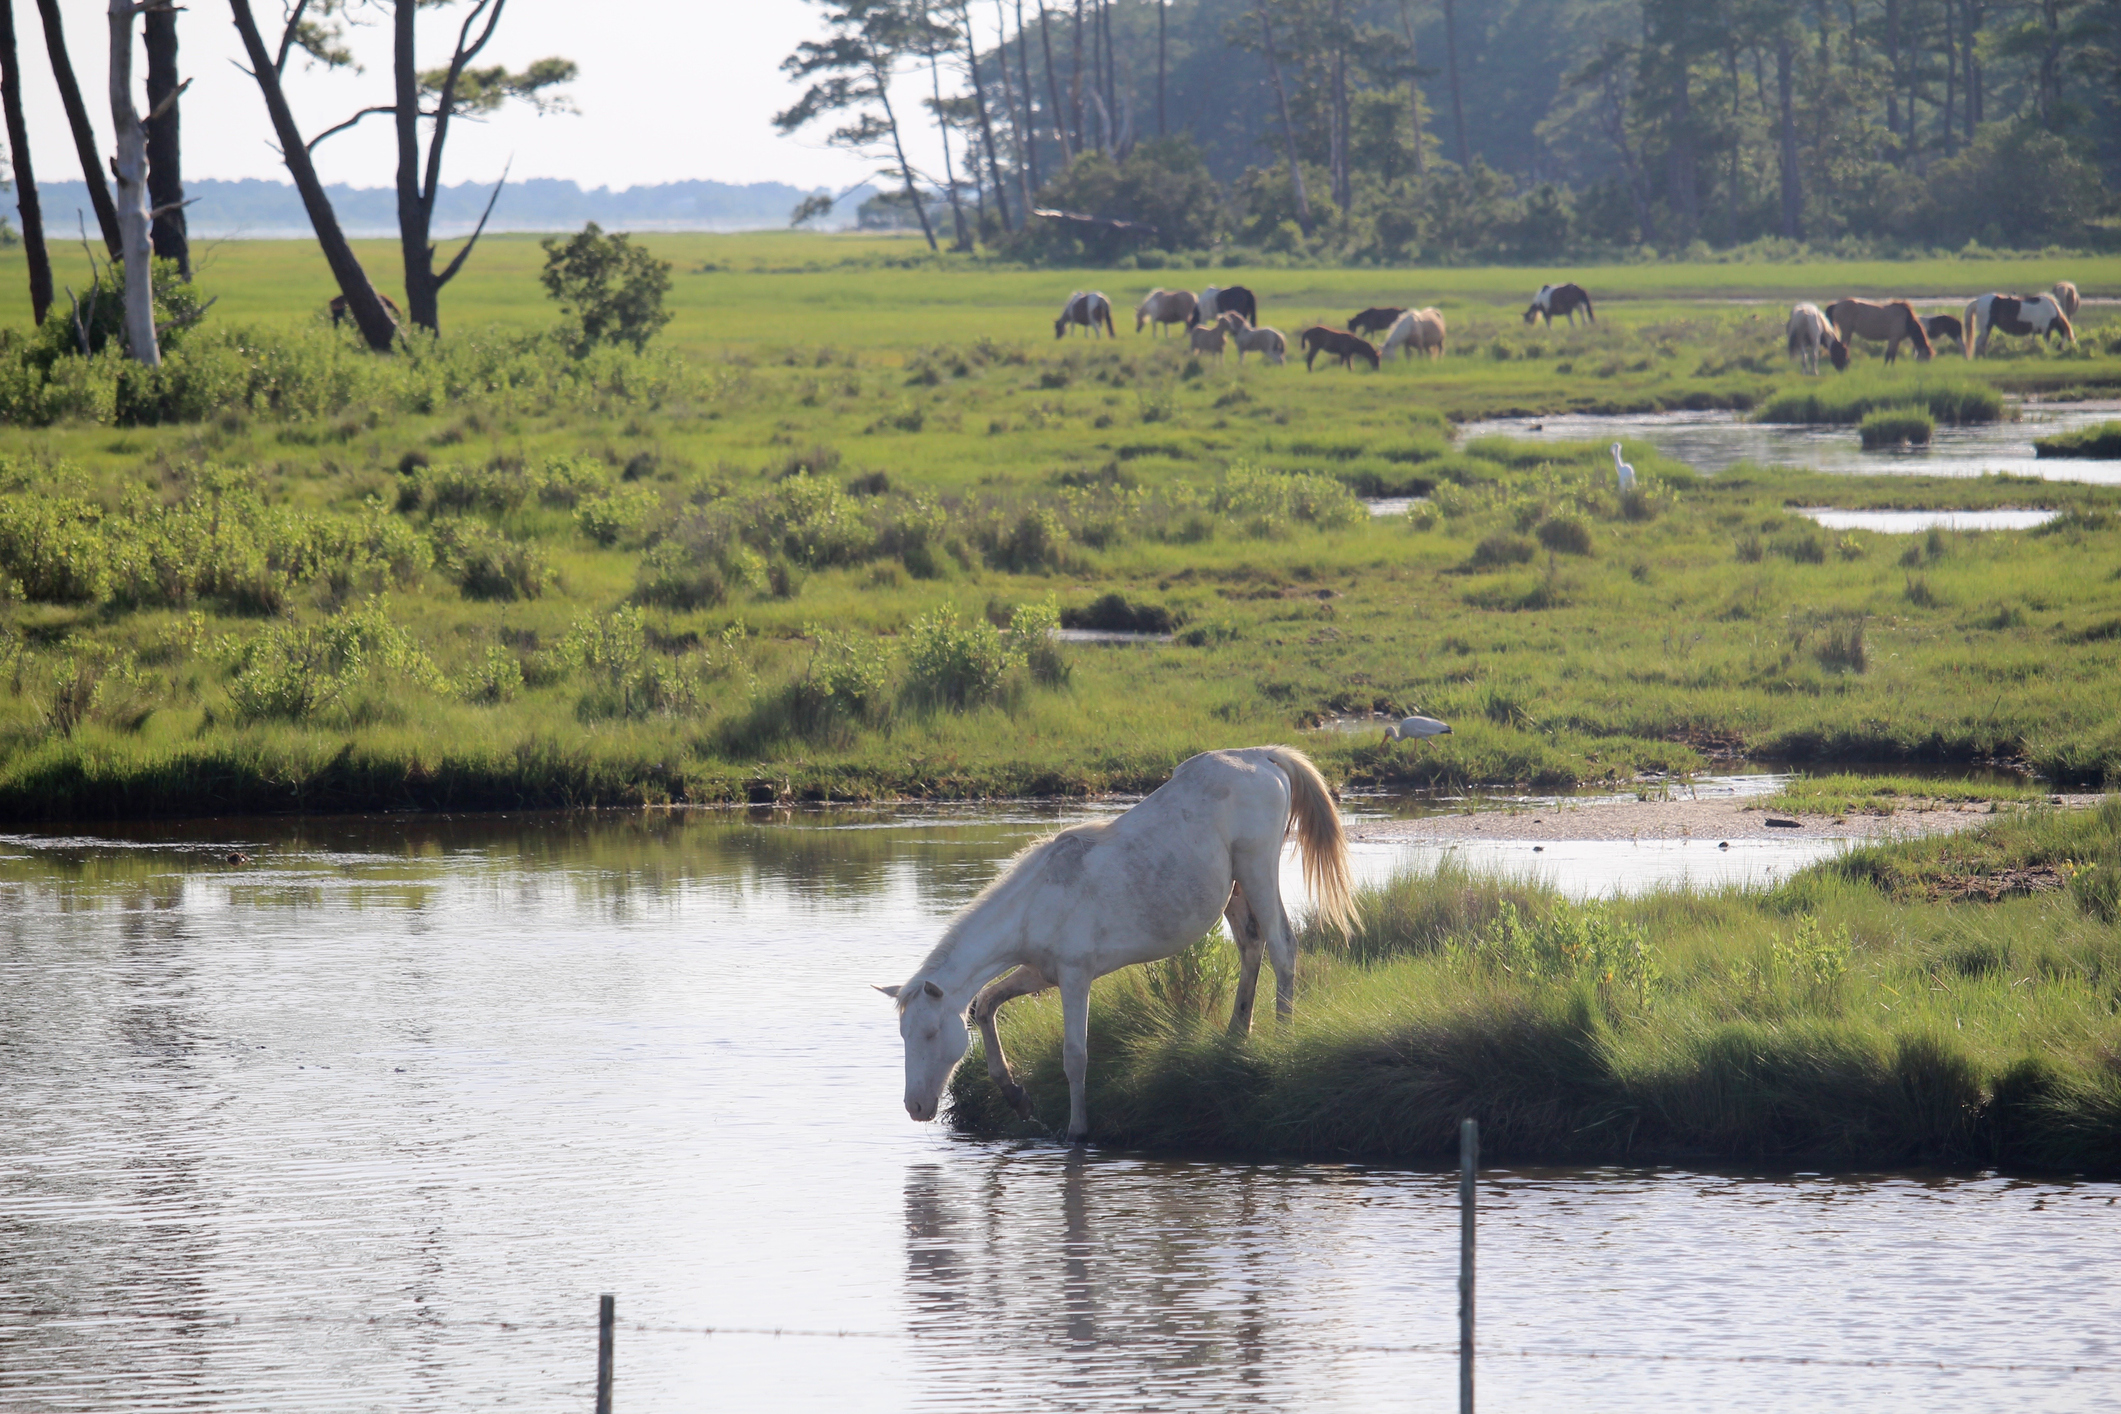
(1075, 1051)
(1244, 931)
(985, 1007)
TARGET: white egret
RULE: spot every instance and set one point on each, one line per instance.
(1622, 470)
(1415, 728)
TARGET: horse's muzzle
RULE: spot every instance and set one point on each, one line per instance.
(920, 1112)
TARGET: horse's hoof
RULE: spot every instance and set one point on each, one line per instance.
(1018, 1101)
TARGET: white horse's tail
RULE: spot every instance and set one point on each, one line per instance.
(1319, 836)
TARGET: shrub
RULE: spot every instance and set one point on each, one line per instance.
(627, 679)
(848, 675)
(1501, 549)
(700, 563)
(1268, 500)
(609, 517)
(1030, 635)
(1113, 614)
(611, 289)
(296, 672)
(955, 664)
(1587, 942)
(496, 677)
(1033, 545)
(486, 565)
(1565, 535)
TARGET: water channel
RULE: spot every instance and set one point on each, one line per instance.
(367, 1121)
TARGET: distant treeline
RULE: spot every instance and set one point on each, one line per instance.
(262, 208)
(1530, 129)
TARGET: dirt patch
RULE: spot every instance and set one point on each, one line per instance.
(2030, 879)
(1625, 819)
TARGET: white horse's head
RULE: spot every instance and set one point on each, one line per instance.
(935, 1040)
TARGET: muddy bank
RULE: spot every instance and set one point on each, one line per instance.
(1709, 820)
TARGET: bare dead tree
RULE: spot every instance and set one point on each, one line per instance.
(38, 258)
(77, 119)
(165, 159)
(129, 166)
(373, 320)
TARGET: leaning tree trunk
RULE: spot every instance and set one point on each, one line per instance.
(38, 258)
(130, 168)
(1288, 128)
(374, 321)
(898, 147)
(84, 133)
(986, 126)
(165, 164)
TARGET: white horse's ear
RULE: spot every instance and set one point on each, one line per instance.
(890, 991)
(932, 990)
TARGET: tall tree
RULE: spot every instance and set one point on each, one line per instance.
(1075, 82)
(1162, 10)
(979, 98)
(1027, 146)
(942, 125)
(36, 256)
(305, 33)
(1458, 101)
(1288, 126)
(1792, 190)
(1406, 22)
(1019, 124)
(850, 73)
(165, 160)
(129, 166)
(85, 146)
(1060, 128)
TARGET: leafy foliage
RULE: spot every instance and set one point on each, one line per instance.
(611, 289)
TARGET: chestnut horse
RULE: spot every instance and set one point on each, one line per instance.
(1337, 343)
(1889, 323)
(1162, 307)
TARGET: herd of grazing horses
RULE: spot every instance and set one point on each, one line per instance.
(1813, 331)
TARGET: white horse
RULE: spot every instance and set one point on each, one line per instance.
(1809, 332)
(2036, 316)
(1095, 898)
(1416, 329)
(1161, 307)
(1267, 342)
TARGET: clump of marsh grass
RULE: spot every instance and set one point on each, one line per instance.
(1896, 427)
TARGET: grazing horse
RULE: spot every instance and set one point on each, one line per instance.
(1088, 308)
(1338, 343)
(1416, 329)
(1161, 307)
(339, 310)
(2065, 295)
(1889, 323)
(1207, 338)
(1214, 303)
(1142, 886)
(1944, 326)
(1809, 333)
(1565, 300)
(1266, 342)
(1374, 320)
(2036, 316)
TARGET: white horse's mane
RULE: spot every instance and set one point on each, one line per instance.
(1013, 874)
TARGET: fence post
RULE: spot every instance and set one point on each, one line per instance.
(1468, 1162)
(606, 1306)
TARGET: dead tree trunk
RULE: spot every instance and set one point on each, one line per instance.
(84, 133)
(986, 127)
(362, 302)
(1288, 127)
(38, 258)
(165, 163)
(130, 168)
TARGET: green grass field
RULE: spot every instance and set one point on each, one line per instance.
(762, 560)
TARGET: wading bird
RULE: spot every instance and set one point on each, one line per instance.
(1622, 470)
(1415, 728)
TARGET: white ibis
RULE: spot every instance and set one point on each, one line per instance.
(1622, 470)
(1415, 728)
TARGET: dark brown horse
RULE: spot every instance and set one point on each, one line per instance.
(1375, 320)
(1944, 326)
(338, 309)
(1215, 303)
(1339, 344)
(1889, 323)
(1561, 300)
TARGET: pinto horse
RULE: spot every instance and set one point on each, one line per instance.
(1890, 323)
(1214, 303)
(1162, 307)
(2036, 316)
(1809, 333)
(1339, 344)
(1553, 300)
(1088, 308)
(1145, 885)
(1375, 320)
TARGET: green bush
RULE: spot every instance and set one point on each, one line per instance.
(1501, 549)
(955, 664)
(487, 565)
(1565, 535)
(611, 289)
(627, 679)
(298, 672)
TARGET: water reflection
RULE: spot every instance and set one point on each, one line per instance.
(367, 1123)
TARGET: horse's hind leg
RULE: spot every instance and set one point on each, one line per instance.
(1261, 881)
(1021, 983)
(1244, 931)
(1075, 1052)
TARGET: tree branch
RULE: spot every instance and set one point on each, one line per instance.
(287, 37)
(185, 321)
(457, 264)
(169, 101)
(311, 145)
(445, 103)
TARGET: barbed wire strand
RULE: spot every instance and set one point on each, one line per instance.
(809, 1333)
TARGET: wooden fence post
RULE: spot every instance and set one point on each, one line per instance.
(1468, 1162)
(606, 1307)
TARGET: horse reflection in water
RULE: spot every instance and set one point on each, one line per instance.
(1139, 1277)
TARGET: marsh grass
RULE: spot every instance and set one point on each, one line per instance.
(1944, 396)
(2102, 443)
(1897, 427)
(1824, 1021)
(1884, 795)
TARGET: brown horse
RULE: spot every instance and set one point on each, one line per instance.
(1162, 307)
(1561, 300)
(1339, 344)
(339, 311)
(2066, 298)
(1890, 323)
(1374, 320)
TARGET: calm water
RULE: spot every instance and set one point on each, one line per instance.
(1710, 442)
(367, 1123)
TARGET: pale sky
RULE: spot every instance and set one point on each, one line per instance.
(671, 90)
